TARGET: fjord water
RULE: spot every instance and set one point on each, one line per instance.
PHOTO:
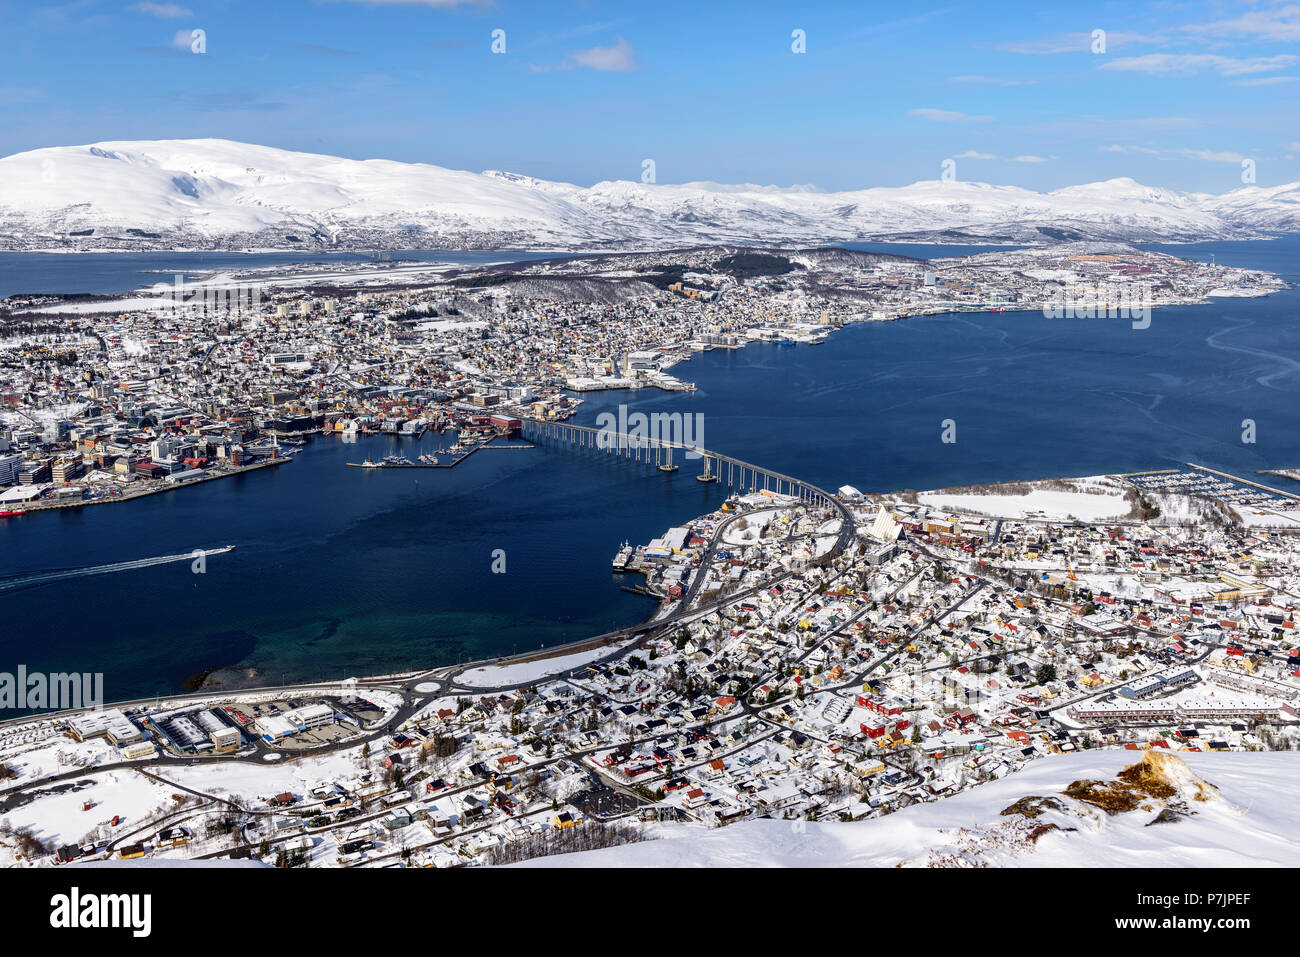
(105, 273)
(341, 571)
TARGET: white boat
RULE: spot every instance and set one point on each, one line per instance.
(623, 557)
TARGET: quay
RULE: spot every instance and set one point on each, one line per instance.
(132, 495)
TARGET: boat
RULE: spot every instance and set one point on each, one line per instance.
(368, 464)
(12, 512)
(623, 557)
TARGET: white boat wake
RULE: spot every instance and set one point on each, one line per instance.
(44, 578)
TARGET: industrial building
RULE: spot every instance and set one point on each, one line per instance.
(111, 724)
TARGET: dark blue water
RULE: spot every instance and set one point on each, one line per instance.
(103, 273)
(341, 571)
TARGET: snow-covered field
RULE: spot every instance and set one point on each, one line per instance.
(1247, 820)
(1090, 505)
(245, 782)
(55, 814)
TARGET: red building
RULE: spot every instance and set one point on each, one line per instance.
(506, 424)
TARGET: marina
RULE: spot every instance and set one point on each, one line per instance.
(430, 461)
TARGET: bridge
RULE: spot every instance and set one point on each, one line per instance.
(658, 452)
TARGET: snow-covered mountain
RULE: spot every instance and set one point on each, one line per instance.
(1088, 809)
(222, 194)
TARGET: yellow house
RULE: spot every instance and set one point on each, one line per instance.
(565, 820)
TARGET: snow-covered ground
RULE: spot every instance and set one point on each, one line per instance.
(491, 676)
(1247, 820)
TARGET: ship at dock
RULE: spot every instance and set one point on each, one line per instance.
(623, 557)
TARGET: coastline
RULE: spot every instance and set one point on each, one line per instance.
(164, 487)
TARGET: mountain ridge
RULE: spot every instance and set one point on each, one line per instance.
(222, 194)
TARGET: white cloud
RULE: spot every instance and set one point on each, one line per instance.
(1281, 23)
(1213, 156)
(1073, 43)
(1022, 158)
(1120, 148)
(168, 11)
(1267, 81)
(619, 58)
(1186, 64)
(948, 116)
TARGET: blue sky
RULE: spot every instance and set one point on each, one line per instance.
(584, 91)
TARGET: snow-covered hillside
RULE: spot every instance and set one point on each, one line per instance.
(218, 193)
(1220, 810)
